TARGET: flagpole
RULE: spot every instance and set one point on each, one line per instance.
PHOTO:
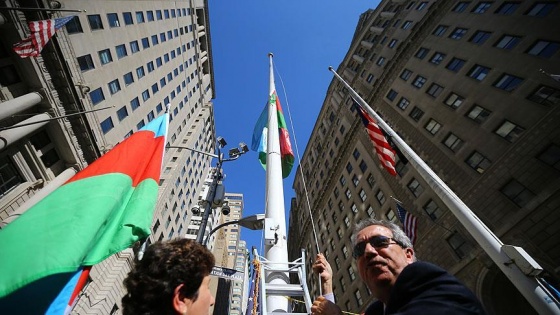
(39, 9)
(276, 252)
(54, 118)
(490, 243)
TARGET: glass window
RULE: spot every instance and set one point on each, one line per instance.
(461, 6)
(455, 64)
(392, 94)
(507, 42)
(370, 78)
(507, 8)
(459, 245)
(458, 33)
(349, 168)
(363, 166)
(478, 114)
(158, 15)
(508, 82)
(478, 72)
(453, 142)
(421, 53)
(150, 66)
(140, 124)
(517, 193)
(134, 47)
(432, 126)
(114, 86)
(380, 61)
(541, 9)
(145, 43)
(406, 25)
(162, 37)
(416, 113)
(363, 195)
(166, 14)
(86, 63)
(405, 75)
(480, 37)
(113, 19)
(440, 30)
(107, 125)
(9, 175)
(140, 72)
(551, 156)
(545, 95)
(155, 40)
(127, 16)
(478, 162)
(380, 196)
(419, 81)
(150, 15)
(74, 26)
(481, 7)
(415, 187)
(145, 95)
(122, 113)
(105, 56)
(509, 131)
(95, 22)
(155, 88)
(393, 43)
(134, 103)
(140, 17)
(432, 209)
(437, 58)
(403, 103)
(454, 100)
(121, 51)
(96, 96)
(543, 48)
(434, 90)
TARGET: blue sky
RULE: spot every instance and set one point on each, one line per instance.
(306, 36)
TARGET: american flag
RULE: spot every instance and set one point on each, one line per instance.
(253, 305)
(409, 223)
(384, 151)
(41, 33)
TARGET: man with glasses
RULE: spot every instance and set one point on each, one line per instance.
(402, 285)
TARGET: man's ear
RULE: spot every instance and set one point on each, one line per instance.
(180, 303)
(409, 252)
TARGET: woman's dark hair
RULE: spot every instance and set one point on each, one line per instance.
(152, 281)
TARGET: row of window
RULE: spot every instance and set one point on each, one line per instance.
(539, 9)
(96, 23)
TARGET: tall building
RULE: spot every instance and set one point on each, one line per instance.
(128, 60)
(460, 82)
(231, 253)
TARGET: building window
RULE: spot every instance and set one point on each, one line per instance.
(369, 78)
(416, 113)
(145, 95)
(421, 53)
(107, 125)
(363, 166)
(140, 72)
(95, 22)
(517, 193)
(105, 56)
(134, 47)
(461, 6)
(551, 156)
(507, 42)
(363, 195)
(155, 88)
(454, 100)
(480, 37)
(459, 245)
(393, 43)
(432, 126)
(415, 187)
(122, 113)
(141, 124)
(432, 209)
(419, 81)
(371, 180)
(392, 94)
(440, 30)
(358, 297)
(421, 5)
(453, 142)
(390, 215)
(86, 63)
(380, 196)
(351, 273)
(380, 61)
(134, 103)
(478, 114)
(74, 26)
(96, 96)
(113, 19)
(127, 16)
(434, 90)
(482, 7)
(437, 58)
(405, 75)
(128, 78)
(478, 72)
(342, 180)
(509, 131)
(545, 95)
(478, 162)
(356, 154)
(508, 82)
(507, 8)
(145, 43)
(114, 86)
(543, 48)
(150, 15)
(140, 17)
(150, 66)
(406, 25)
(121, 51)
(349, 168)
(155, 40)
(354, 208)
(9, 175)
(455, 64)
(403, 103)
(458, 33)
(541, 9)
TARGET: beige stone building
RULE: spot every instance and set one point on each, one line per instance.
(460, 82)
(126, 59)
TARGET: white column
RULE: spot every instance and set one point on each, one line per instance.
(10, 136)
(19, 104)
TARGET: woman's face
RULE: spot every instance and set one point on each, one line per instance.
(205, 299)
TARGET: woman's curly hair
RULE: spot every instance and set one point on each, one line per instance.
(165, 265)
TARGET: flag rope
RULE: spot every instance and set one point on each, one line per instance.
(303, 302)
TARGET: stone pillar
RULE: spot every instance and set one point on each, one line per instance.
(10, 136)
(18, 104)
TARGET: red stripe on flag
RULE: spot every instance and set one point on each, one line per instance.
(385, 153)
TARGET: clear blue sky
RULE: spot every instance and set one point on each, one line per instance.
(306, 36)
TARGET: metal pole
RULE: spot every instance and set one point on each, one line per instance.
(212, 195)
(217, 228)
(39, 9)
(491, 244)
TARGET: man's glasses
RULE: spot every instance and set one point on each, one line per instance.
(378, 242)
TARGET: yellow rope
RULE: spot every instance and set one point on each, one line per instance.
(257, 269)
(299, 301)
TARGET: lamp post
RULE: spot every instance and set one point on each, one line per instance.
(253, 222)
(234, 154)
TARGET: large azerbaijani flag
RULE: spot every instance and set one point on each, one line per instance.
(100, 211)
(259, 142)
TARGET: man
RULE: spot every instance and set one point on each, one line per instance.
(402, 285)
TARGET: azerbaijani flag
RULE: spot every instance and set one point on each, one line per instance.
(260, 132)
(102, 210)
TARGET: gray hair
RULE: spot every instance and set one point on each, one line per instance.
(398, 234)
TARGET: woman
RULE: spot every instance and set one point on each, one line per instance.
(172, 278)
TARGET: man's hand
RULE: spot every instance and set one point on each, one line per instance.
(322, 267)
(322, 306)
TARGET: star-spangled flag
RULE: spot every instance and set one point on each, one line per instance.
(384, 151)
(409, 223)
(41, 33)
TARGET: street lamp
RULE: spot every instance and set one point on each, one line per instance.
(253, 222)
(234, 154)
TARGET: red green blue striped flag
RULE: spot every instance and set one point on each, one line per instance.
(102, 210)
(259, 142)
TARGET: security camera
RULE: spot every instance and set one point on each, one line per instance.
(226, 210)
(195, 210)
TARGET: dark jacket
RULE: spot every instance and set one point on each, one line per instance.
(424, 288)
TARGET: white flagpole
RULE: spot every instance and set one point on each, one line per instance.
(490, 243)
(277, 252)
